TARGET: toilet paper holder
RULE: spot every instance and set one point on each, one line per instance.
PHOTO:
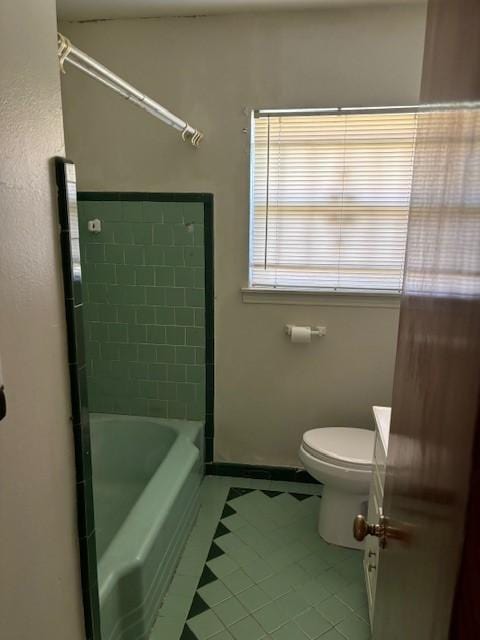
(314, 331)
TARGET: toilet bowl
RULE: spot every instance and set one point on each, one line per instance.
(341, 459)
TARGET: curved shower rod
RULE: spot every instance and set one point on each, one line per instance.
(67, 52)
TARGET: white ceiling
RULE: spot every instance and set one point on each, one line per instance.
(101, 9)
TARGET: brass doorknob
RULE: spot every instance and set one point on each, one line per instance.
(362, 529)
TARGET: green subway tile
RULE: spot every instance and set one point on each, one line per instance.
(155, 295)
(199, 278)
(186, 392)
(110, 351)
(91, 312)
(194, 298)
(134, 295)
(122, 405)
(98, 331)
(194, 257)
(175, 335)
(138, 370)
(104, 385)
(123, 233)
(193, 212)
(142, 234)
(147, 353)
(195, 411)
(118, 332)
(154, 256)
(134, 255)
(128, 352)
(156, 334)
(126, 314)
(163, 235)
(97, 292)
(102, 367)
(138, 407)
(100, 403)
(199, 235)
(167, 391)
(132, 210)
(122, 272)
(158, 372)
(174, 256)
(95, 253)
(93, 350)
(184, 277)
(200, 397)
(172, 212)
(158, 408)
(177, 410)
(199, 317)
(145, 315)
(115, 294)
(152, 212)
(137, 333)
(176, 372)
(185, 355)
(195, 373)
(118, 371)
(183, 235)
(164, 276)
(184, 317)
(148, 389)
(144, 275)
(89, 272)
(166, 354)
(165, 315)
(114, 254)
(125, 387)
(105, 211)
(195, 336)
(174, 297)
(107, 313)
(88, 367)
(125, 274)
(106, 234)
(199, 355)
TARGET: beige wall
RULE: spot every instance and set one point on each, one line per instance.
(39, 573)
(213, 71)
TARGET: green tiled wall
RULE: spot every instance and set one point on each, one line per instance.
(144, 300)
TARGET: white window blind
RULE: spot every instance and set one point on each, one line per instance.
(330, 200)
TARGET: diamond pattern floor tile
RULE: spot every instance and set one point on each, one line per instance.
(255, 568)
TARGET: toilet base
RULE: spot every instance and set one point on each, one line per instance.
(335, 519)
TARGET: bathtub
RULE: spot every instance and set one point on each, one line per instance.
(146, 478)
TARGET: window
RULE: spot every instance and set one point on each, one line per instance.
(330, 197)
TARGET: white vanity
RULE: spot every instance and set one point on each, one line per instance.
(375, 503)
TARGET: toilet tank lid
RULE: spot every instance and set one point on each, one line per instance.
(342, 443)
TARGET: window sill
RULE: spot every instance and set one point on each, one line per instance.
(320, 298)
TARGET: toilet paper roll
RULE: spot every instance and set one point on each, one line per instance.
(301, 335)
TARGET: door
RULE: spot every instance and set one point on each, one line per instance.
(435, 407)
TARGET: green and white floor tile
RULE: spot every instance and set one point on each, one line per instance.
(255, 568)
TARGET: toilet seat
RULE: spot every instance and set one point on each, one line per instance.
(342, 446)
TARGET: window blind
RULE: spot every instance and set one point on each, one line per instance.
(330, 199)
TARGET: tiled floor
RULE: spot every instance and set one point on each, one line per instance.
(254, 568)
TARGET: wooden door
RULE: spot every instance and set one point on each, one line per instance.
(437, 379)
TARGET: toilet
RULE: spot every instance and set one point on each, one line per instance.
(341, 459)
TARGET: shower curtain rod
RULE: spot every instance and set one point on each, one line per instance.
(67, 52)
